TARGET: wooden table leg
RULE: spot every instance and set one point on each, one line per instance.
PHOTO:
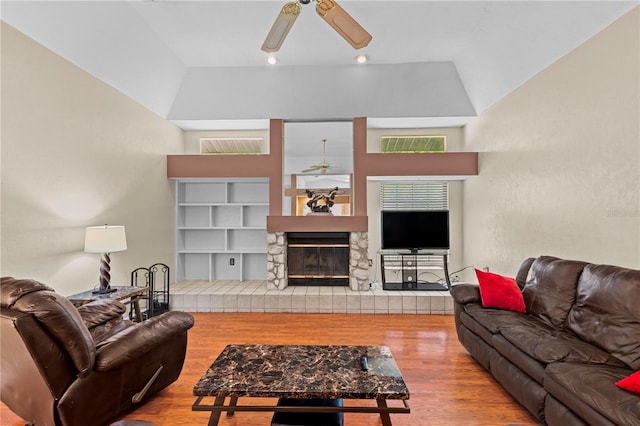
(135, 301)
(386, 419)
(215, 414)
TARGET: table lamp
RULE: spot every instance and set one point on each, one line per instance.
(105, 239)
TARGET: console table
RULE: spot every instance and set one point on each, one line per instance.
(306, 373)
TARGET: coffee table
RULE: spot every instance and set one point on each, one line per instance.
(302, 371)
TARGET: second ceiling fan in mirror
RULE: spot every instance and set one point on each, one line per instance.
(323, 166)
(330, 11)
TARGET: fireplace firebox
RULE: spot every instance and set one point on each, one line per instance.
(318, 258)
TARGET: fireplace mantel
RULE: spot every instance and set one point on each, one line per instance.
(317, 223)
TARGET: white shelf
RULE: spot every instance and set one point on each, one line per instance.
(221, 229)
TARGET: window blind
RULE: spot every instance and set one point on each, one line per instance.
(426, 195)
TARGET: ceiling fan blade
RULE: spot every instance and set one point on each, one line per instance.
(280, 28)
(323, 165)
(312, 168)
(343, 23)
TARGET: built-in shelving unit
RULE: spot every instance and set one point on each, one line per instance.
(221, 229)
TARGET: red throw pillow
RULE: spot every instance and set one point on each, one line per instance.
(497, 291)
(630, 383)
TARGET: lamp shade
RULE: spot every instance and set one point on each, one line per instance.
(105, 239)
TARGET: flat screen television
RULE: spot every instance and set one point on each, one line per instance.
(415, 230)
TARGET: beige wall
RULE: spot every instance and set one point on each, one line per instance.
(559, 164)
(75, 153)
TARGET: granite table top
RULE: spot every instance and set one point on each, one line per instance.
(304, 371)
(120, 293)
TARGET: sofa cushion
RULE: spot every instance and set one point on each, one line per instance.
(495, 320)
(607, 312)
(497, 291)
(550, 290)
(469, 322)
(522, 360)
(556, 413)
(522, 387)
(577, 385)
(630, 383)
(548, 345)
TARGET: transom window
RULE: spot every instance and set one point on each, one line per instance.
(413, 144)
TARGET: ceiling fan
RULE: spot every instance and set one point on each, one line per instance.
(330, 11)
(322, 166)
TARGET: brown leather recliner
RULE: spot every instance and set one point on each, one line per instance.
(63, 365)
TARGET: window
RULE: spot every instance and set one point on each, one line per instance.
(426, 195)
(413, 144)
(231, 146)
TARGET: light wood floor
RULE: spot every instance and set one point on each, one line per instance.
(447, 387)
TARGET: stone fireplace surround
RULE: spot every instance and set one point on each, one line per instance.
(277, 274)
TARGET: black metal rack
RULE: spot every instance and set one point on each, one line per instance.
(409, 265)
(156, 278)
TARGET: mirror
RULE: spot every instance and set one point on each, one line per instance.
(311, 163)
(304, 147)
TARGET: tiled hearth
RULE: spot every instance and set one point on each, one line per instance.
(253, 296)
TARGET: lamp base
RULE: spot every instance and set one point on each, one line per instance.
(104, 290)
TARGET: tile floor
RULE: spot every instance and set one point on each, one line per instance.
(253, 296)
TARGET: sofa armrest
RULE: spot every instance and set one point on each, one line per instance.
(466, 293)
(101, 311)
(140, 338)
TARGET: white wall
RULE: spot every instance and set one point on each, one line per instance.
(432, 89)
(559, 164)
(75, 153)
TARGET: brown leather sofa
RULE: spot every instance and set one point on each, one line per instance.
(85, 366)
(561, 359)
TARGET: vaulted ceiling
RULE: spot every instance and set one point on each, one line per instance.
(199, 63)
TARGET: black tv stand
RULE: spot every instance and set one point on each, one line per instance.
(406, 266)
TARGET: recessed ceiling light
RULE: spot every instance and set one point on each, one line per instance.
(272, 60)
(362, 58)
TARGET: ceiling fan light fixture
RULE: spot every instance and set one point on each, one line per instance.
(343, 23)
(272, 60)
(283, 23)
(362, 58)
